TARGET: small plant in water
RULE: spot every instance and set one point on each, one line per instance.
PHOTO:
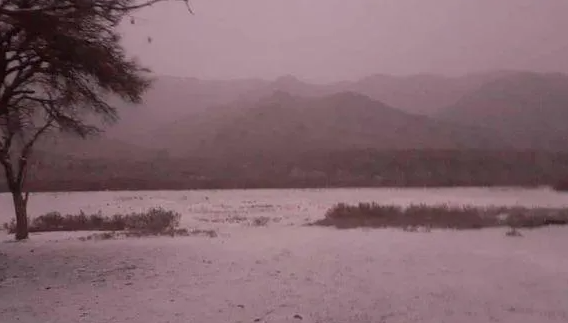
(260, 221)
(513, 232)
(208, 233)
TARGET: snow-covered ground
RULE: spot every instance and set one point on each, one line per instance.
(283, 272)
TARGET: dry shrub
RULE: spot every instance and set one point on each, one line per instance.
(513, 232)
(440, 216)
(260, 221)
(155, 221)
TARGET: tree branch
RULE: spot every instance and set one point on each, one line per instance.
(114, 5)
(24, 72)
(59, 60)
(23, 160)
(6, 161)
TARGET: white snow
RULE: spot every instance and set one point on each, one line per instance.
(285, 272)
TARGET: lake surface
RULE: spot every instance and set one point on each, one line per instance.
(291, 205)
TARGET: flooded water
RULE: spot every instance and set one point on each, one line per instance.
(281, 271)
(292, 204)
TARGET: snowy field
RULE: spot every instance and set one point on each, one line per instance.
(284, 271)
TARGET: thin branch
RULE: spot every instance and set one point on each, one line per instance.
(23, 161)
(115, 5)
(24, 73)
(28, 146)
(7, 162)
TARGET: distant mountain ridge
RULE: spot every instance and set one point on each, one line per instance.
(171, 98)
(284, 123)
(528, 110)
(495, 110)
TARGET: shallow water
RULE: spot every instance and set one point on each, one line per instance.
(279, 272)
(291, 205)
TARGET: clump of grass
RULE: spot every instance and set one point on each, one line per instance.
(513, 232)
(260, 221)
(155, 221)
(100, 236)
(129, 234)
(207, 233)
(440, 216)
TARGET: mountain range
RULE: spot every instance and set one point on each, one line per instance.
(190, 117)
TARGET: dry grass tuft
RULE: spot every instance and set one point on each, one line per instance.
(513, 232)
(260, 221)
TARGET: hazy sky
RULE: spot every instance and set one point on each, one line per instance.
(330, 40)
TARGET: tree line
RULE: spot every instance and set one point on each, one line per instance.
(353, 168)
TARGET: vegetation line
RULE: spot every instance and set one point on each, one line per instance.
(155, 221)
(274, 187)
(374, 215)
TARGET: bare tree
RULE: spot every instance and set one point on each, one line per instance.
(60, 61)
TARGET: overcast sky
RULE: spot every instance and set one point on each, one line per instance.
(331, 40)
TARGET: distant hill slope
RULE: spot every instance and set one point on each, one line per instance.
(173, 98)
(65, 149)
(284, 123)
(528, 110)
(424, 94)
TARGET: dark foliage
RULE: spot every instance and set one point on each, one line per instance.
(356, 168)
(561, 186)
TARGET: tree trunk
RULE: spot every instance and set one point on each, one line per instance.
(15, 175)
(15, 181)
(21, 208)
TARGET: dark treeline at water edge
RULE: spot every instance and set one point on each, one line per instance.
(354, 168)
